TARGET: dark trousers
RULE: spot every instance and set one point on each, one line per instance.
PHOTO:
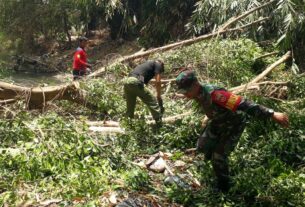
(77, 74)
(217, 142)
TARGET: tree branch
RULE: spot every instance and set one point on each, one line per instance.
(263, 74)
(266, 55)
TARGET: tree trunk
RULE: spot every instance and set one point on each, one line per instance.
(66, 27)
(36, 98)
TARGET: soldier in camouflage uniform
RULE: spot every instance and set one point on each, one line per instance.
(227, 119)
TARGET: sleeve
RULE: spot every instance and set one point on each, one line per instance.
(235, 102)
(158, 68)
(226, 99)
(255, 109)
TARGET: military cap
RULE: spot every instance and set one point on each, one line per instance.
(185, 81)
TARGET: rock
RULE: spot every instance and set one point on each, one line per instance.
(167, 155)
(113, 199)
(170, 180)
(135, 202)
(158, 166)
(179, 164)
(152, 159)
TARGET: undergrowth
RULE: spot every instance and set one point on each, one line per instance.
(53, 155)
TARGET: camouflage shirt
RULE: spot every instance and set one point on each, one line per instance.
(222, 106)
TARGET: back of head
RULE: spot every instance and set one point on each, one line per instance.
(82, 39)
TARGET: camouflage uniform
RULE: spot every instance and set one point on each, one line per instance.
(227, 119)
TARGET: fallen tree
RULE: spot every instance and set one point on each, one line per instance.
(37, 97)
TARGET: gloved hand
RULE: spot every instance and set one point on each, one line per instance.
(160, 102)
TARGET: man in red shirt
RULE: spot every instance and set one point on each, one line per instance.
(80, 65)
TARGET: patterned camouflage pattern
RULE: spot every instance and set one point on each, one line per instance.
(185, 81)
(227, 119)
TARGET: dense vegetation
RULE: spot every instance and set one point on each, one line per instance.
(154, 22)
(54, 155)
(52, 158)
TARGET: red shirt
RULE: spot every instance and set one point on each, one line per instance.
(80, 59)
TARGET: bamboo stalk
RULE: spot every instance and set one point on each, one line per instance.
(188, 41)
(266, 55)
(263, 74)
(7, 101)
(235, 19)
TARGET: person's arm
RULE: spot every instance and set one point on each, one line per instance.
(158, 85)
(260, 111)
(158, 89)
(234, 102)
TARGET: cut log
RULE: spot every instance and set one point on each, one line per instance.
(257, 86)
(103, 123)
(164, 81)
(172, 119)
(271, 67)
(33, 65)
(37, 97)
(107, 130)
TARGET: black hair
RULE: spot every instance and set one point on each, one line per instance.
(82, 39)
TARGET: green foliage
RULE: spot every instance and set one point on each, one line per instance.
(99, 89)
(55, 153)
(288, 189)
(297, 89)
(228, 61)
(286, 23)
(138, 179)
(56, 156)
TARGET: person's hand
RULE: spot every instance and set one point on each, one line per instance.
(204, 122)
(281, 118)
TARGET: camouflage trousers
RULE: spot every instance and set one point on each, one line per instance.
(133, 88)
(217, 142)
